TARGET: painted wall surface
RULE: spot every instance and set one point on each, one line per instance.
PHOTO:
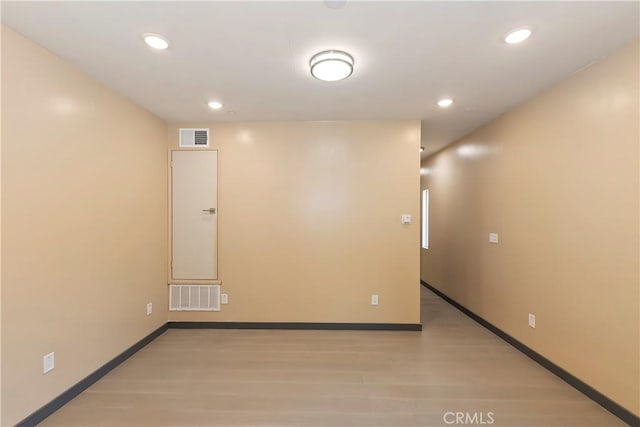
(557, 178)
(309, 221)
(0, 236)
(84, 237)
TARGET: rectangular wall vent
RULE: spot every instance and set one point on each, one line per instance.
(190, 137)
(194, 298)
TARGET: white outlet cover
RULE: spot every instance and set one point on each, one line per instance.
(224, 298)
(374, 299)
(493, 237)
(532, 320)
(149, 308)
(48, 362)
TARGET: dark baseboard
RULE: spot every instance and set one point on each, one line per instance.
(298, 325)
(57, 403)
(608, 404)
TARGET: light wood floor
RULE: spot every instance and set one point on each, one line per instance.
(332, 378)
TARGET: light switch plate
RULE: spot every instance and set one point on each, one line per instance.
(374, 299)
(405, 219)
(149, 308)
(224, 298)
(493, 237)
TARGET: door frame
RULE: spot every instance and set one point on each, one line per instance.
(170, 279)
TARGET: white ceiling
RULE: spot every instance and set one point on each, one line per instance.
(254, 55)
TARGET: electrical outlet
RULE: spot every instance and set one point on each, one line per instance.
(532, 320)
(493, 237)
(224, 298)
(374, 299)
(48, 362)
(149, 308)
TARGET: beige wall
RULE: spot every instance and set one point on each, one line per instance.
(309, 221)
(557, 178)
(83, 224)
(0, 235)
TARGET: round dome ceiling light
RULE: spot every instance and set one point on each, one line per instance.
(445, 102)
(517, 36)
(155, 41)
(331, 65)
(215, 105)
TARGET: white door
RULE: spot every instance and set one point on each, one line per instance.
(194, 215)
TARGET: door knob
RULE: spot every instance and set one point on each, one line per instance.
(210, 210)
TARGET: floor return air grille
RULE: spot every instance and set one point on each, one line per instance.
(194, 298)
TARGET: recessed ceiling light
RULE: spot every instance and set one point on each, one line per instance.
(215, 105)
(331, 65)
(155, 41)
(445, 102)
(421, 149)
(517, 36)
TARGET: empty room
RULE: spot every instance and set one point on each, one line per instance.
(320, 213)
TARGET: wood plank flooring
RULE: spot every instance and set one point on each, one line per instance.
(333, 378)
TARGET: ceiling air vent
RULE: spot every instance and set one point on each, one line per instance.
(194, 137)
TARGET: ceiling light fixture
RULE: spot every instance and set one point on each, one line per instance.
(421, 149)
(445, 102)
(155, 41)
(518, 35)
(331, 65)
(215, 105)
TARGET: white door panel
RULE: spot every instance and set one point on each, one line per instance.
(194, 213)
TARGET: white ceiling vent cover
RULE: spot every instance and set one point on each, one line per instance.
(194, 297)
(190, 137)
